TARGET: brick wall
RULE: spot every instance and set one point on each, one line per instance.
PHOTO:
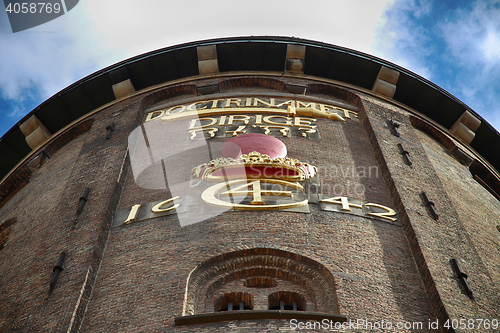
(142, 280)
(47, 225)
(133, 277)
(432, 242)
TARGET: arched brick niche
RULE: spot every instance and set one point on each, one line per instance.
(251, 82)
(334, 91)
(260, 282)
(5, 229)
(264, 275)
(167, 93)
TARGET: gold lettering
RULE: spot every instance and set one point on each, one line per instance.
(230, 101)
(258, 119)
(288, 121)
(307, 130)
(304, 122)
(243, 118)
(306, 105)
(346, 113)
(270, 104)
(248, 101)
(191, 107)
(209, 196)
(222, 121)
(194, 122)
(210, 131)
(240, 130)
(343, 201)
(256, 192)
(133, 214)
(290, 108)
(267, 129)
(289, 103)
(154, 115)
(157, 208)
(182, 109)
(215, 103)
(385, 215)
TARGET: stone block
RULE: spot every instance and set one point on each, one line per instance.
(123, 88)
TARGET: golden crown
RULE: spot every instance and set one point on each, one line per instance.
(256, 166)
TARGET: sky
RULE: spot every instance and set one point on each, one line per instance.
(454, 44)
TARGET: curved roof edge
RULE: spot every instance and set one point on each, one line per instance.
(256, 53)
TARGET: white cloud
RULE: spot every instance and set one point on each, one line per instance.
(95, 34)
(45, 59)
(473, 36)
(455, 45)
(491, 46)
(99, 33)
(153, 24)
(401, 40)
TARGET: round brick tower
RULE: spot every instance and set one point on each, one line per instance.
(257, 184)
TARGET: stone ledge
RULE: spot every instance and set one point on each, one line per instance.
(205, 318)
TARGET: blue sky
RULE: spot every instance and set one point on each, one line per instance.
(455, 44)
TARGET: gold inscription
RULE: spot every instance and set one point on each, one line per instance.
(252, 105)
(133, 214)
(254, 188)
(387, 215)
(346, 206)
(343, 201)
(158, 208)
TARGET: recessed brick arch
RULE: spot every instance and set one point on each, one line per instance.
(262, 272)
(314, 278)
(335, 91)
(166, 93)
(251, 81)
(5, 229)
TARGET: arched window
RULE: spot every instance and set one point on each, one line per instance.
(234, 301)
(286, 300)
(262, 280)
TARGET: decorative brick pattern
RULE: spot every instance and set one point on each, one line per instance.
(216, 272)
(251, 82)
(221, 304)
(144, 275)
(288, 298)
(433, 243)
(5, 228)
(20, 177)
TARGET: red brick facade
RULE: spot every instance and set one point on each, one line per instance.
(152, 274)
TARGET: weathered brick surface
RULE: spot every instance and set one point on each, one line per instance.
(145, 268)
(20, 177)
(47, 225)
(133, 277)
(476, 207)
(433, 243)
